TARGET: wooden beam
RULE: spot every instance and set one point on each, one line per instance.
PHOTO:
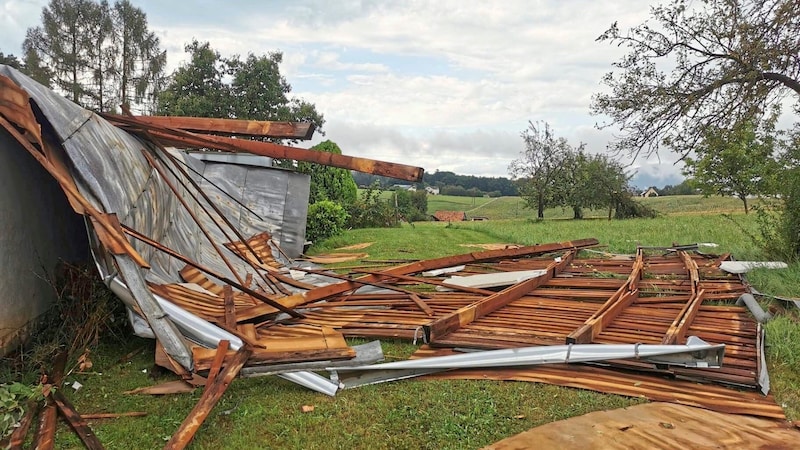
(211, 395)
(216, 364)
(676, 334)
(621, 299)
(230, 309)
(48, 417)
(17, 438)
(421, 304)
(691, 269)
(76, 422)
(254, 128)
(468, 314)
(185, 139)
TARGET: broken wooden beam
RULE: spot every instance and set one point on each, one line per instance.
(17, 438)
(185, 139)
(466, 315)
(76, 422)
(621, 299)
(211, 395)
(253, 128)
(677, 330)
(48, 416)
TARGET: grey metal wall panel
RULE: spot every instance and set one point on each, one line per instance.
(278, 197)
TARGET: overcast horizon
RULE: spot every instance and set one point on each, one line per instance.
(445, 85)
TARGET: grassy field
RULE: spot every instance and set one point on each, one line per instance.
(265, 412)
(514, 207)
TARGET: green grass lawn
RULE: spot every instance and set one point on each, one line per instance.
(514, 207)
(265, 412)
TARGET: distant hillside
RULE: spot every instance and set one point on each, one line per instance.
(448, 183)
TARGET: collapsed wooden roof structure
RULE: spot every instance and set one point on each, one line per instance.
(219, 295)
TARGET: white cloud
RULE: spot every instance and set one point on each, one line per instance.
(445, 84)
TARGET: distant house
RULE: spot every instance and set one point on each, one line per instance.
(432, 190)
(450, 216)
(404, 187)
(650, 193)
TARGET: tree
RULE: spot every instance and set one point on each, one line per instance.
(329, 183)
(100, 56)
(737, 162)
(686, 187)
(10, 60)
(210, 85)
(61, 43)
(590, 181)
(537, 170)
(141, 63)
(700, 66)
(96, 54)
(197, 88)
(413, 206)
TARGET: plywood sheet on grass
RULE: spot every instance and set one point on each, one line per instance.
(657, 426)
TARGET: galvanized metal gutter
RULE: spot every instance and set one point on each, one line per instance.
(695, 353)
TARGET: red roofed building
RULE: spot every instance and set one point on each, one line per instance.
(450, 216)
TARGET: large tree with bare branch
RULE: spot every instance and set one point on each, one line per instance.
(700, 65)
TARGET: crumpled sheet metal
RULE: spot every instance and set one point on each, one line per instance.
(111, 172)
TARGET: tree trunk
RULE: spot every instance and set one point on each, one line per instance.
(541, 206)
(743, 198)
(577, 213)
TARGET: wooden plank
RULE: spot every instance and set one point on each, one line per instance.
(691, 269)
(211, 395)
(185, 139)
(230, 309)
(466, 315)
(222, 349)
(48, 417)
(676, 334)
(17, 438)
(656, 425)
(422, 305)
(76, 422)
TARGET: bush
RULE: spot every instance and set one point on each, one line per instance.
(325, 219)
(628, 208)
(371, 212)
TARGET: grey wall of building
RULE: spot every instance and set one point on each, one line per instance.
(37, 230)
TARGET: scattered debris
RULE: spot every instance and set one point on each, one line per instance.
(201, 270)
(746, 266)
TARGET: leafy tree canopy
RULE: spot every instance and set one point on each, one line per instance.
(329, 183)
(738, 162)
(98, 55)
(539, 166)
(210, 85)
(698, 66)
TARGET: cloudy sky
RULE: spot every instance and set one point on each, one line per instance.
(445, 85)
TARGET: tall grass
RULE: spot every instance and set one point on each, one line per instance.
(729, 232)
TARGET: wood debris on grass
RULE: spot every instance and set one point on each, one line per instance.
(272, 310)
